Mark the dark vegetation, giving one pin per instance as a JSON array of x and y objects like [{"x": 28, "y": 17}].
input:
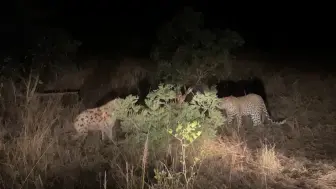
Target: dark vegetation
[{"x": 160, "y": 143}]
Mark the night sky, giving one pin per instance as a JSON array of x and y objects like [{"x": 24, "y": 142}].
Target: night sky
[{"x": 103, "y": 25}]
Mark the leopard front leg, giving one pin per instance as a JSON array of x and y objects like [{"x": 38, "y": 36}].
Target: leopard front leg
[
  {"x": 239, "y": 121},
  {"x": 229, "y": 118},
  {"x": 108, "y": 129}
]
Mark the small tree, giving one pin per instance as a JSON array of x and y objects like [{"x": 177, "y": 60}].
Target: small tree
[
  {"x": 163, "y": 118},
  {"x": 186, "y": 135},
  {"x": 161, "y": 113},
  {"x": 189, "y": 54}
]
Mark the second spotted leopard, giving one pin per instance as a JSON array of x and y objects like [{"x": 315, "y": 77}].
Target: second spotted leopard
[
  {"x": 96, "y": 119},
  {"x": 250, "y": 105}
]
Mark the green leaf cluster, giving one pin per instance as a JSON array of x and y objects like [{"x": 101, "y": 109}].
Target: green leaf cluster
[{"x": 161, "y": 117}]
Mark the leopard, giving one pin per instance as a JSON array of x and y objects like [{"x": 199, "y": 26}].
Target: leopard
[
  {"x": 251, "y": 105},
  {"x": 101, "y": 119}
]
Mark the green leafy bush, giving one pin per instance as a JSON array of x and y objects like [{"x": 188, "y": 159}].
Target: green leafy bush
[{"x": 161, "y": 118}]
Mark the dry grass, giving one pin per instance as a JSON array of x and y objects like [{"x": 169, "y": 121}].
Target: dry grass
[{"x": 35, "y": 151}]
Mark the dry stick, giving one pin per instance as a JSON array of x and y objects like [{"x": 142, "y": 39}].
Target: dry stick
[
  {"x": 181, "y": 98},
  {"x": 55, "y": 94},
  {"x": 35, "y": 165},
  {"x": 144, "y": 162}
]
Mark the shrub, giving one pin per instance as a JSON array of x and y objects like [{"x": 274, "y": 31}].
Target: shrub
[{"x": 161, "y": 116}]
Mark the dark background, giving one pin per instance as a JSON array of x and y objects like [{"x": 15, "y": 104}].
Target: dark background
[{"x": 103, "y": 26}]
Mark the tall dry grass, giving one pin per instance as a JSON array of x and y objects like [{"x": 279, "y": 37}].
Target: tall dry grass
[{"x": 36, "y": 152}]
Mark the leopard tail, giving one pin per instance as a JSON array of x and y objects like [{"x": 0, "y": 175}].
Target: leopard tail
[{"x": 269, "y": 119}]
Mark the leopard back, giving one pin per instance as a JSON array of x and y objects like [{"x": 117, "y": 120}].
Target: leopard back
[{"x": 250, "y": 104}]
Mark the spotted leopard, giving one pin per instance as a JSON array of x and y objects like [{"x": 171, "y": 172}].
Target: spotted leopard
[
  {"x": 96, "y": 119},
  {"x": 250, "y": 105}
]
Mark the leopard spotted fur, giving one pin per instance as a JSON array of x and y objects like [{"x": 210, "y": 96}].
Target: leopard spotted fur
[
  {"x": 250, "y": 105},
  {"x": 96, "y": 119}
]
